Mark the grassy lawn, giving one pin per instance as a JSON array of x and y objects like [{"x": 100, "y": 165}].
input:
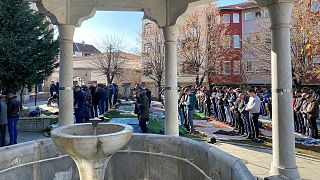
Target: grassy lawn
[
  {"x": 47, "y": 113},
  {"x": 156, "y": 126},
  {"x": 117, "y": 114},
  {"x": 199, "y": 116}
]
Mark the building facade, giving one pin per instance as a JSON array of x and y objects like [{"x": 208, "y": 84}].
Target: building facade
[
  {"x": 230, "y": 71},
  {"x": 85, "y": 71}
]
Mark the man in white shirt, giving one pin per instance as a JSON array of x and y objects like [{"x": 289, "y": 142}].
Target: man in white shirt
[{"x": 253, "y": 107}]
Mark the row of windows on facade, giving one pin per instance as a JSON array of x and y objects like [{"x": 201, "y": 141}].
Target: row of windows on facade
[
  {"x": 226, "y": 19},
  {"x": 227, "y": 68},
  {"x": 248, "y": 67},
  {"x": 236, "y": 43},
  {"x": 248, "y": 16}
]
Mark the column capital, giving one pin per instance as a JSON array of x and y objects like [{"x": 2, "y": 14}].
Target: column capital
[
  {"x": 280, "y": 12},
  {"x": 170, "y": 33},
  {"x": 266, "y": 3},
  {"x": 66, "y": 32},
  {"x": 66, "y": 11},
  {"x": 167, "y": 12}
]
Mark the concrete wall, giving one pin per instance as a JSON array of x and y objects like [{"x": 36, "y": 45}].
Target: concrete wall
[
  {"x": 34, "y": 124},
  {"x": 170, "y": 162}
]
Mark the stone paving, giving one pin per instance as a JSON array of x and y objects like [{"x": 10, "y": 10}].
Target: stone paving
[{"x": 258, "y": 160}]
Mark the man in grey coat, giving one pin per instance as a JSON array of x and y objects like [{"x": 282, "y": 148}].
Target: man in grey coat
[{"x": 3, "y": 120}]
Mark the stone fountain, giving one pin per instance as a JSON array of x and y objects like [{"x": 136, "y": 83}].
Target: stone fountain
[{"x": 92, "y": 146}]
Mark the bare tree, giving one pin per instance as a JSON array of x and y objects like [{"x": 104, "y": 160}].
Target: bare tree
[
  {"x": 305, "y": 33},
  {"x": 153, "y": 55},
  {"x": 202, "y": 42},
  {"x": 111, "y": 61}
]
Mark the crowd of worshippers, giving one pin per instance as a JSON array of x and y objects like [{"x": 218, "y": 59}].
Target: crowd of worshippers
[
  {"x": 94, "y": 100},
  {"x": 241, "y": 108},
  {"x": 306, "y": 112}
]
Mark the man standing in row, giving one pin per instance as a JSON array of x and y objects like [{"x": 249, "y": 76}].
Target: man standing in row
[
  {"x": 13, "y": 116},
  {"x": 253, "y": 107},
  {"x": 312, "y": 112},
  {"x": 78, "y": 104}
]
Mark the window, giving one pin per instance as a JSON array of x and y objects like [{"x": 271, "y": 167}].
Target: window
[
  {"x": 147, "y": 48},
  {"x": 315, "y": 5},
  {"x": 249, "y": 66},
  {"x": 226, "y": 67},
  {"x": 147, "y": 28},
  {"x": 218, "y": 19},
  {"x": 236, "y": 41},
  {"x": 316, "y": 61},
  {"x": 236, "y": 67},
  {"x": 258, "y": 66},
  {"x": 226, "y": 18},
  {"x": 266, "y": 13},
  {"x": 258, "y": 15},
  {"x": 227, "y": 41},
  {"x": 248, "y": 16},
  {"x": 236, "y": 18}
]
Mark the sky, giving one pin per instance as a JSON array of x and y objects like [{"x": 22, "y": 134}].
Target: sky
[{"x": 125, "y": 25}]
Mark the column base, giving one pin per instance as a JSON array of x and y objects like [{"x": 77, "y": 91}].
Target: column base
[{"x": 290, "y": 173}]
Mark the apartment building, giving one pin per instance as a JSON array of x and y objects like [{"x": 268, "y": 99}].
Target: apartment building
[{"x": 230, "y": 71}]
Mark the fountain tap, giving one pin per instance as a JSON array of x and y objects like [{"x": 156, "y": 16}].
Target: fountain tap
[{"x": 95, "y": 121}]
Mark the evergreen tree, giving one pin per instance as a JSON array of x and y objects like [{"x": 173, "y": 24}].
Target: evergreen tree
[{"x": 28, "y": 51}]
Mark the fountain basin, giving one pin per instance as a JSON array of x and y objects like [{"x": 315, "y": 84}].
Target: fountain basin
[
  {"x": 41, "y": 159},
  {"x": 90, "y": 152},
  {"x": 78, "y": 140}
]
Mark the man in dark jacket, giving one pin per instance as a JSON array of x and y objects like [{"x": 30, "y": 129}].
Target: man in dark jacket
[
  {"x": 313, "y": 114},
  {"x": 94, "y": 108},
  {"x": 13, "y": 116},
  {"x": 143, "y": 108},
  {"x": 56, "y": 88},
  {"x": 100, "y": 98},
  {"x": 52, "y": 89},
  {"x": 148, "y": 94},
  {"x": 87, "y": 104},
  {"x": 297, "y": 110},
  {"x": 106, "y": 100},
  {"x": 78, "y": 104}
]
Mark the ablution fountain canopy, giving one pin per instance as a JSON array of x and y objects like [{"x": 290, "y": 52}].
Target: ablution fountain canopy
[{"x": 91, "y": 145}]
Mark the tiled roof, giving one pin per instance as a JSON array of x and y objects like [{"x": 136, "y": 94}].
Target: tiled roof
[
  {"x": 240, "y": 6},
  {"x": 82, "y": 47}
]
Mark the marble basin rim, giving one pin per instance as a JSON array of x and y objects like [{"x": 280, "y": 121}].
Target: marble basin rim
[{"x": 78, "y": 140}]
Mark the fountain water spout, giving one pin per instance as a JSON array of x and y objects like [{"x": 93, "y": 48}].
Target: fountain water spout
[{"x": 95, "y": 121}]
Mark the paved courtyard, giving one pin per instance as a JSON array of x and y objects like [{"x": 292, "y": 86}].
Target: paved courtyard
[{"x": 258, "y": 160}]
